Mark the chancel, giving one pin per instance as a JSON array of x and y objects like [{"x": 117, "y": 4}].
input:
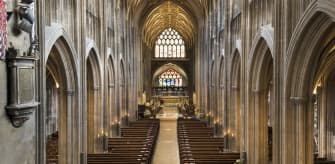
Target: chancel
[{"x": 167, "y": 82}]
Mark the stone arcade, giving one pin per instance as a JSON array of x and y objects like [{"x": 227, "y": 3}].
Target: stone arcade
[{"x": 82, "y": 80}]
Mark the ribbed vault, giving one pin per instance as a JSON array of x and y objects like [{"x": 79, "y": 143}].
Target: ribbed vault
[{"x": 168, "y": 15}]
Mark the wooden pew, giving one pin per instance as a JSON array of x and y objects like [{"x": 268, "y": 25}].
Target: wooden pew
[
  {"x": 52, "y": 149},
  {"x": 323, "y": 161},
  {"x": 197, "y": 144},
  {"x": 135, "y": 146}
]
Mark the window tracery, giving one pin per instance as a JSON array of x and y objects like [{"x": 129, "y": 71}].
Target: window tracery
[
  {"x": 170, "y": 45},
  {"x": 170, "y": 78}
]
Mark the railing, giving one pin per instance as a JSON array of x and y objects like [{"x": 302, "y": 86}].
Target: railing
[{"x": 169, "y": 91}]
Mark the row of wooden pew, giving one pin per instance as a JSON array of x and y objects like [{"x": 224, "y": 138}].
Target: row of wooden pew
[
  {"x": 322, "y": 161},
  {"x": 52, "y": 149},
  {"x": 135, "y": 145},
  {"x": 197, "y": 144}
]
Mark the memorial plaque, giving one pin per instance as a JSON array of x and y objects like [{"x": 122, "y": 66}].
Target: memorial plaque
[{"x": 26, "y": 87}]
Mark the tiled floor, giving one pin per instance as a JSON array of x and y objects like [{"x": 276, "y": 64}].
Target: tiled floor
[{"x": 166, "y": 151}]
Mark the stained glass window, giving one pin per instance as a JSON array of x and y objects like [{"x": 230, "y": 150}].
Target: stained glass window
[
  {"x": 170, "y": 78},
  {"x": 170, "y": 45}
]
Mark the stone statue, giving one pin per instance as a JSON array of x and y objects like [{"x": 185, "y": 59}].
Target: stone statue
[{"x": 21, "y": 38}]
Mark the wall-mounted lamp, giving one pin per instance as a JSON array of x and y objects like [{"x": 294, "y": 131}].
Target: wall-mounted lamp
[
  {"x": 57, "y": 85},
  {"x": 315, "y": 90}
]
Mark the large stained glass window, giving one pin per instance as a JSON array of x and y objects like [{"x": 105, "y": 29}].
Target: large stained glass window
[
  {"x": 170, "y": 45},
  {"x": 170, "y": 78}
]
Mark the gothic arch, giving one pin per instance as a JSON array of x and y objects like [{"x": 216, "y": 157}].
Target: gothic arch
[
  {"x": 235, "y": 68},
  {"x": 259, "y": 84},
  {"x": 94, "y": 101},
  {"x": 235, "y": 100},
  {"x": 237, "y": 48},
  {"x": 164, "y": 67},
  {"x": 91, "y": 46},
  {"x": 52, "y": 34},
  {"x": 265, "y": 33},
  {"x": 111, "y": 97},
  {"x": 309, "y": 42},
  {"x": 60, "y": 64},
  {"x": 123, "y": 113},
  {"x": 221, "y": 96}
]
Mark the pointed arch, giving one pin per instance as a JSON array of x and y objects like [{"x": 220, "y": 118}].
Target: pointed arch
[
  {"x": 165, "y": 67},
  {"x": 221, "y": 101},
  {"x": 235, "y": 69},
  {"x": 169, "y": 44},
  {"x": 314, "y": 32},
  {"x": 265, "y": 33},
  {"x": 235, "y": 101},
  {"x": 61, "y": 66},
  {"x": 123, "y": 96},
  {"x": 259, "y": 85},
  {"x": 111, "y": 97},
  {"x": 93, "y": 101},
  {"x": 52, "y": 35}
]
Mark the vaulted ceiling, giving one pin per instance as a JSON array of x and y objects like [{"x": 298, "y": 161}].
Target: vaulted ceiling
[{"x": 154, "y": 16}]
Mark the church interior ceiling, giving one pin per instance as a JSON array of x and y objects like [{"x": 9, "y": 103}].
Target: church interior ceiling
[{"x": 158, "y": 15}]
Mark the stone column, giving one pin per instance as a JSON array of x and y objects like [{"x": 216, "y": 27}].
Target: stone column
[
  {"x": 302, "y": 137},
  {"x": 257, "y": 145},
  {"x": 235, "y": 107},
  {"x": 70, "y": 127},
  {"x": 96, "y": 122}
]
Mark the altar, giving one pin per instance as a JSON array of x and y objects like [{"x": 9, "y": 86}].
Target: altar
[{"x": 170, "y": 105}]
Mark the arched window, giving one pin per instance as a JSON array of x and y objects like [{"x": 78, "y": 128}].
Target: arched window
[
  {"x": 170, "y": 78},
  {"x": 170, "y": 45}
]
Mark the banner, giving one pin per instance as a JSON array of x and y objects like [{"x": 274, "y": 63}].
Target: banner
[{"x": 3, "y": 35}]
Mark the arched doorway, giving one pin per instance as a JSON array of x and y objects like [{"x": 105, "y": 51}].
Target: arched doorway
[
  {"x": 111, "y": 105},
  {"x": 260, "y": 100},
  {"x": 61, "y": 102},
  {"x": 94, "y": 103},
  {"x": 309, "y": 90},
  {"x": 123, "y": 109},
  {"x": 235, "y": 101},
  {"x": 323, "y": 107},
  {"x": 221, "y": 99}
]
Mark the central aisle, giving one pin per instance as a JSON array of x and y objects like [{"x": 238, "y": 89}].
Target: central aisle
[{"x": 166, "y": 151}]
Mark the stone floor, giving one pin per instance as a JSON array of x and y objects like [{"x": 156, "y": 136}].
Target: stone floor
[{"x": 166, "y": 151}]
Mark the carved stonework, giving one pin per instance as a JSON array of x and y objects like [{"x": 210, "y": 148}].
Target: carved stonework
[
  {"x": 21, "y": 89},
  {"x": 21, "y": 54},
  {"x": 18, "y": 114},
  {"x": 21, "y": 39}
]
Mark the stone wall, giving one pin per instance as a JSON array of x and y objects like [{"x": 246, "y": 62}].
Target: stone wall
[{"x": 17, "y": 145}]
